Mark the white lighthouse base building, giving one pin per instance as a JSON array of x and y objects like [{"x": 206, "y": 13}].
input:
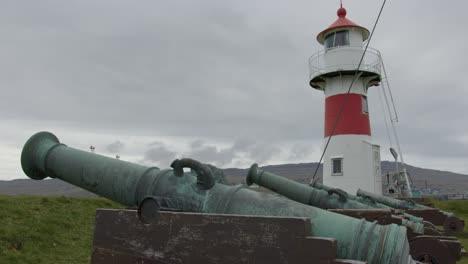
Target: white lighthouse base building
[{"x": 346, "y": 164}]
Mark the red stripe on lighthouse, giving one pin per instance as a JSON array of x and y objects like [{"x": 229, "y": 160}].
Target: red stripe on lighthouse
[{"x": 352, "y": 121}]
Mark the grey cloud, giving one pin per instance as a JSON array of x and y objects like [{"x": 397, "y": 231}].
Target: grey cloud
[
  {"x": 241, "y": 149},
  {"x": 115, "y": 147},
  {"x": 212, "y": 155},
  {"x": 263, "y": 152},
  {"x": 156, "y": 144},
  {"x": 301, "y": 151},
  {"x": 441, "y": 144},
  {"x": 159, "y": 155},
  {"x": 197, "y": 144},
  {"x": 243, "y": 145},
  {"x": 258, "y": 151}
]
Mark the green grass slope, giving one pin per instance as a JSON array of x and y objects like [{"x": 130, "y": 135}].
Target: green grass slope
[
  {"x": 47, "y": 229},
  {"x": 460, "y": 209},
  {"x": 60, "y": 229}
]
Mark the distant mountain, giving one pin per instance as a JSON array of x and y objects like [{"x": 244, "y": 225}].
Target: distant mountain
[
  {"x": 444, "y": 181},
  {"x": 49, "y": 187}
]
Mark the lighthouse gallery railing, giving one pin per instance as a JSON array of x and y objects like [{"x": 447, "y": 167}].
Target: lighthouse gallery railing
[{"x": 319, "y": 65}]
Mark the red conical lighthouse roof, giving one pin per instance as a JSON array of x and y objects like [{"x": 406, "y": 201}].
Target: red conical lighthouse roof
[{"x": 342, "y": 22}]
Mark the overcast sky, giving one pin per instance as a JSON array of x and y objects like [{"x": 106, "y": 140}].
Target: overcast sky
[{"x": 225, "y": 82}]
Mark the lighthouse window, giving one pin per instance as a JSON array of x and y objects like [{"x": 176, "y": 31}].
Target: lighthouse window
[
  {"x": 365, "y": 106},
  {"x": 337, "y": 166},
  {"x": 336, "y": 39}
]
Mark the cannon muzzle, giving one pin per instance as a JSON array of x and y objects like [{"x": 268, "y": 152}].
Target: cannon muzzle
[
  {"x": 130, "y": 184},
  {"x": 34, "y": 153}
]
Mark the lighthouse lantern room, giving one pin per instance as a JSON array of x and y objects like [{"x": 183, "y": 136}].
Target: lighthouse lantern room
[{"x": 351, "y": 160}]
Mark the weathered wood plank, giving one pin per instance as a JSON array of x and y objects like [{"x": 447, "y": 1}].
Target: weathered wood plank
[{"x": 119, "y": 237}]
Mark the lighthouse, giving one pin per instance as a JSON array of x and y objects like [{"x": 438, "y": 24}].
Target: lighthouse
[{"x": 351, "y": 161}]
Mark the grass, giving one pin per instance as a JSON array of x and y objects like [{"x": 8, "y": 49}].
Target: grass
[
  {"x": 59, "y": 230},
  {"x": 460, "y": 209},
  {"x": 464, "y": 239},
  {"x": 47, "y": 229}
]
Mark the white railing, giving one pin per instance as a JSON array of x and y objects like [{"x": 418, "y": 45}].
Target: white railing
[{"x": 344, "y": 59}]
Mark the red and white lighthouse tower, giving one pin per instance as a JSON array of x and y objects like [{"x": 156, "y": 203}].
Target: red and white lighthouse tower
[{"x": 351, "y": 160}]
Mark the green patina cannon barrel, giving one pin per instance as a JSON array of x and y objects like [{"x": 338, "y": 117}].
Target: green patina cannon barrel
[
  {"x": 129, "y": 184},
  {"x": 325, "y": 199},
  {"x": 392, "y": 202},
  {"x": 450, "y": 222},
  {"x": 367, "y": 200}
]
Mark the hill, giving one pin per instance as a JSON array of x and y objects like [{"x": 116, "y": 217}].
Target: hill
[{"x": 49, "y": 187}]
